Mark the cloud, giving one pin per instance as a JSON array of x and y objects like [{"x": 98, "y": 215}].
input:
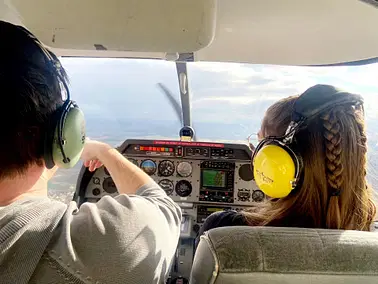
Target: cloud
[
  {"x": 279, "y": 81},
  {"x": 229, "y": 95},
  {"x": 231, "y": 100}
]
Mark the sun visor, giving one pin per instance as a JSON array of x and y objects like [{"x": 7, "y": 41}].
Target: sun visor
[
  {"x": 290, "y": 32},
  {"x": 168, "y": 26}
]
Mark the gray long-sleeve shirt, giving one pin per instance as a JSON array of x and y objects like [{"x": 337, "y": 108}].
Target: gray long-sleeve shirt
[{"x": 126, "y": 239}]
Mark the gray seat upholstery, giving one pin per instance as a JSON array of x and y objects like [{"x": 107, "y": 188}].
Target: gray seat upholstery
[{"x": 285, "y": 255}]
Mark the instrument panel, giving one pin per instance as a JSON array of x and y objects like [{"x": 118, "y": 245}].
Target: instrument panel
[
  {"x": 194, "y": 172},
  {"x": 201, "y": 177}
]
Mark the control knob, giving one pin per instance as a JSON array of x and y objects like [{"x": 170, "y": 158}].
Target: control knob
[
  {"x": 96, "y": 180},
  {"x": 244, "y": 194},
  {"x": 96, "y": 191}
]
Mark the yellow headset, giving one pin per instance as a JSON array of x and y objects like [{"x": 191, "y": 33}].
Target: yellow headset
[{"x": 277, "y": 168}]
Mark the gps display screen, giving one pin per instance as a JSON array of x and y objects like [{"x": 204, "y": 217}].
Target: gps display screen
[{"x": 213, "y": 178}]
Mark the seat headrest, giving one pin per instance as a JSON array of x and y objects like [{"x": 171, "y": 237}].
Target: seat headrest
[{"x": 285, "y": 255}]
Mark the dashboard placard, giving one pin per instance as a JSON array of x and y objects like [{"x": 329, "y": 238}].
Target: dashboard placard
[{"x": 197, "y": 144}]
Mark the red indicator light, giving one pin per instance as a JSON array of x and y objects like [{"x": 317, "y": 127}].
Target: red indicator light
[
  {"x": 153, "y": 148},
  {"x": 170, "y": 149}
]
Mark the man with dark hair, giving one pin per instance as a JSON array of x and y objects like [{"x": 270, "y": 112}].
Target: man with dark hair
[{"x": 127, "y": 239}]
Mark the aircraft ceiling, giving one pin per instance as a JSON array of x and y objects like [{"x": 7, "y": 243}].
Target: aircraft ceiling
[{"x": 290, "y": 32}]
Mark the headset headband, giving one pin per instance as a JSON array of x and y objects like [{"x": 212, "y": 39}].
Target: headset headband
[
  {"x": 55, "y": 64},
  {"x": 315, "y": 101},
  {"x": 319, "y": 98},
  {"x": 57, "y": 69}
]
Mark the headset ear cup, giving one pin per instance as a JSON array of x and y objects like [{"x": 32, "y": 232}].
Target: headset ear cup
[
  {"x": 73, "y": 138},
  {"x": 275, "y": 169},
  {"x": 50, "y": 139}
]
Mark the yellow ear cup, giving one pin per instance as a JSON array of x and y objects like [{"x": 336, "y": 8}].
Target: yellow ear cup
[{"x": 274, "y": 171}]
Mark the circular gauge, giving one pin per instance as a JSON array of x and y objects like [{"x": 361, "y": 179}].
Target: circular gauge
[
  {"x": 167, "y": 186},
  {"x": 258, "y": 195},
  {"x": 183, "y": 188},
  {"x": 135, "y": 162},
  {"x": 245, "y": 172},
  {"x": 109, "y": 185},
  {"x": 148, "y": 166},
  {"x": 166, "y": 168},
  {"x": 184, "y": 169}
]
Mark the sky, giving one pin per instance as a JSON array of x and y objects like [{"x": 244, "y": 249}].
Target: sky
[
  {"x": 228, "y": 99},
  {"x": 121, "y": 100}
]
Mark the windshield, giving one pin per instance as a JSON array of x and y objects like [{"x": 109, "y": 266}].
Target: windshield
[
  {"x": 121, "y": 100},
  {"x": 120, "y": 97}
]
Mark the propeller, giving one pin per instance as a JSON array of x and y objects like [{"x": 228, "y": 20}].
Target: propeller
[{"x": 175, "y": 104}]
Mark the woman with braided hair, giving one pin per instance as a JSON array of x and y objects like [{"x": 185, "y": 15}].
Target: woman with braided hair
[{"x": 333, "y": 192}]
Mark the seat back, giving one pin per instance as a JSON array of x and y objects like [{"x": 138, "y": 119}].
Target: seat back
[{"x": 285, "y": 255}]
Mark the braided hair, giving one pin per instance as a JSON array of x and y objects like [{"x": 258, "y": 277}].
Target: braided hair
[
  {"x": 334, "y": 165},
  {"x": 334, "y": 161},
  {"x": 333, "y": 150}
]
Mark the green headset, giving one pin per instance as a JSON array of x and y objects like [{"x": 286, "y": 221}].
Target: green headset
[
  {"x": 277, "y": 167},
  {"x": 65, "y": 137}
]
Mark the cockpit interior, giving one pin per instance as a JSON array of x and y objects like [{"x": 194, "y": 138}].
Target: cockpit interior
[{"x": 204, "y": 177}]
